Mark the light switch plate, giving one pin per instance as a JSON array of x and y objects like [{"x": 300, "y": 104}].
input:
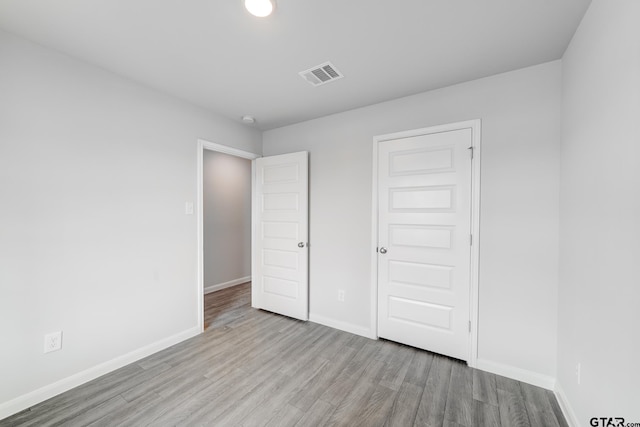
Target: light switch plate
[{"x": 188, "y": 208}]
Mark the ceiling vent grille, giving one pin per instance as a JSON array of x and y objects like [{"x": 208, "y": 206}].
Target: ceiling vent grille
[{"x": 321, "y": 74}]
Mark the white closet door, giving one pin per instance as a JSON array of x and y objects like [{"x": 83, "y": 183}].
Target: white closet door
[{"x": 424, "y": 194}]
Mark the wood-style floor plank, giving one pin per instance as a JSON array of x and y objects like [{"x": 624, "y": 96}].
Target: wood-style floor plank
[
  {"x": 485, "y": 415},
  {"x": 555, "y": 407},
  {"x": 256, "y": 410},
  {"x": 317, "y": 415},
  {"x": 286, "y": 416},
  {"x": 405, "y": 406},
  {"x": 434, "y": 397},
  {"x": 484, "y": 387},
  {"x": 322, "y": 381},
  {"x": 513, "y": 411},
  {"x": 253, "y": 368},
  {"x": 538, "y": 407},
  {"x": 396, "y": 367},
  {"x": 122, "y": 413},
  {"x": 349, "y": 408},
  {"x": 460, "y": 398},
  {"x": 376, "y": 411},
  {"x": 419, "y": 368}
]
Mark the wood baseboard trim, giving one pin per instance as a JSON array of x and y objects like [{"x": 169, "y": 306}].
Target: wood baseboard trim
[
  {"x": 524, "y": 375},
  {"x": 230, "y": 283},
  {"x": 43, "y": 393},
  {"x": 343, "y": 326}
]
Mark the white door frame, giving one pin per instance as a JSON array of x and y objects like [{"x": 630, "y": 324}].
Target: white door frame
[
  {"x": 475, "y": 126},
  {"x": 208, "y": 145}
]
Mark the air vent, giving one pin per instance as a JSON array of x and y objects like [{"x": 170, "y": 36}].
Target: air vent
[{"x": 321, "y": 74}]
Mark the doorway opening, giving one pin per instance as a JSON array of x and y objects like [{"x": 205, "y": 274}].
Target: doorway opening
[{"x": 225, "y": 189}]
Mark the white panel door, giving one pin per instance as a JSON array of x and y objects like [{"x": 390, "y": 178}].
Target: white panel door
[
  {"x": 280, "y": 254},
  {"x": 424, "y": 255}
]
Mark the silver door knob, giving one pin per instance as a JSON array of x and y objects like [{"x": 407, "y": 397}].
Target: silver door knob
[
  {"x": 383, "y": 250},
  {"x": 301, "y": 245}
]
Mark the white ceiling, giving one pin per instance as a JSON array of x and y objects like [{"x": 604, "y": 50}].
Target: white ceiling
[{"x": 214, "y": 54}]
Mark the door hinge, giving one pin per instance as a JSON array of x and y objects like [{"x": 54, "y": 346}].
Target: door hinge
[
  {"x": 471, "y": 151},
  {"x": 470, "y": 239},
  {"x": 469, "y": 326}
]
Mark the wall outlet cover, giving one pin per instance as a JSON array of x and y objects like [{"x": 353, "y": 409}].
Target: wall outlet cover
[{"x": 53, "y": 341}]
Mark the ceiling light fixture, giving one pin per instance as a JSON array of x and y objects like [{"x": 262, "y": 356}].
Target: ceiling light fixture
[
  {"x": 260, "y": 8},
  {"x": 248, "y": 120}
]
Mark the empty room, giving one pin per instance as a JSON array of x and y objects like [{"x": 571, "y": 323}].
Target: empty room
[{"x": 320, "y": 213}]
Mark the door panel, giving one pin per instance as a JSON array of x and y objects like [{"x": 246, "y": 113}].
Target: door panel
[
  {"x": 280, "y": 265},
  {"x": 424, "y": 220}
]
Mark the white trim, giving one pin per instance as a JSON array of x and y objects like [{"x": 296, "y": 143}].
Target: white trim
[
  {"x": 567, "y": 409},
  {"x": 200, "y": 237},
  {"x": 343, "y": 326},
  {"x": 475, "y": 126},
  {"x": 254, "y": 222},
  {"x": 208, "y": 145},
  {"x": 374, "y": 241},
  {"x": 476, "y": 138},
  {"x": 225, "y": 285},
  {"x": 43, "y": 393},
  {"x": 524, "y": 375}
]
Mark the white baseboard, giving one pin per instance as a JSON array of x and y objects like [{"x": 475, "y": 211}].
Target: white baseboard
[
  {"x": 230, "y": 283},
  {"x": 529, "y": 377},
  {"x": 40, "y": 395},
  {"x": 567, "y": 409},
  {"x": 343, "y": 326}
]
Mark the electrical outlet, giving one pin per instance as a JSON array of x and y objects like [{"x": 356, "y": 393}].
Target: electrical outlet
[
  {"x": 341, "y": 295},
  {"x": 53, "y": 342},
  {"x": 578, "y": 372}
]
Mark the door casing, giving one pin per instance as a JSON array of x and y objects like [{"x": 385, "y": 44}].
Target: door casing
[{"x": 475, "y": 126}]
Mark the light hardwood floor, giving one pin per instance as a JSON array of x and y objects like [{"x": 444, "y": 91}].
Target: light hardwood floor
[{"x": 254, "y": 368}]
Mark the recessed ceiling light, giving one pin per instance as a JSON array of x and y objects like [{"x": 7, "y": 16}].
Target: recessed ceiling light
[
  {"x": 260, "y": 8},
  {"x": 248, "y": 120}
]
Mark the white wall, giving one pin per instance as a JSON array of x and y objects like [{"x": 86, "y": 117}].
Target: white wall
[
  {"x": 520, "y": 114},
  {"x": 599, "y": 317},
  {"x": 227, "y": 218},
  {"x": 94, "y": 175}
]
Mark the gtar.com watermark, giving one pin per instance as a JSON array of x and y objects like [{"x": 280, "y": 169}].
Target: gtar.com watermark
[{"x": 611, "y": 422}]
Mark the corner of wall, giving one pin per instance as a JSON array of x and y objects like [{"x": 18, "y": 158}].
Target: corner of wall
[{"x": 566, "y": 407}]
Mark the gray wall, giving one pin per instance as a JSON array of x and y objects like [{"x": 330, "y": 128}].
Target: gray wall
[
  {"x": 227, "y": 218},
  {"x": 599, "y": 317},
  {"x": 520, "y": 114},
  {"x": 95, "y": 171}
]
